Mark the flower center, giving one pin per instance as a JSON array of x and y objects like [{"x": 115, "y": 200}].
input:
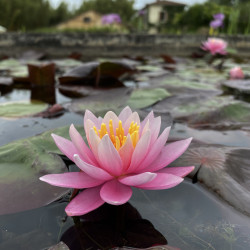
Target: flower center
[{"x": 117, "y": 136}]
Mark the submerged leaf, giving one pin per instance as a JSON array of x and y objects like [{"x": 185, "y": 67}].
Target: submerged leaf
[{"x": 21, "y": 164}]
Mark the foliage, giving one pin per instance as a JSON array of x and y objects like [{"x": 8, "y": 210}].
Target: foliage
[
  {"x": 200, "y": 15},
  {"x": 122, "y": 7},
  {"x": 30, "y": 14}
]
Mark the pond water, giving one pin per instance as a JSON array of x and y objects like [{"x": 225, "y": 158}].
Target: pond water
[{"x": 209, "y": 210}]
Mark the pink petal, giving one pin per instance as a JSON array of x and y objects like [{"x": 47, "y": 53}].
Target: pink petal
[
  {"x": 155, "y": 126},
  {"x": 66, "y": 146},
  {"x": 141, "y": 149},
  {"x": 138, "y": 179},
  {"x": 115, "y": 193},
  {"x": 88, "y": 125},
  {"x": 71, "y": 180},
  {"x": 134, "y": 117},
  {"x": 149, "y": 118},
  {"x": 145, "y": 128},
  {"x": 109, "y": 157},
  {"x": 85, "y": 202},
  {"x": 81, "y": 146},
  {"x": 162, "y": 181},
  {"x": 111, "y": 116},
  {"x": 125, "y": 113},
  {"x": 126, "y": 152},
  {"x": 179, "y": 171},
  {"x": 91, "y": 170},
  {"x": 94, "y": 141},
  {"x": 168, "y": 154},
  {"x": 90, "y": 116},
  {"x": 155, "y": 150}
]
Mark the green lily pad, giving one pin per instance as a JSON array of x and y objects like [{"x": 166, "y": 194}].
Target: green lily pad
[
  {"x": 21, "y": 109},
  {"x": 143, "y": 98},
  {"x": 21, "y": 164},
  {"x": 187, "y": 83},
  {"x": 99, "y": 104}
]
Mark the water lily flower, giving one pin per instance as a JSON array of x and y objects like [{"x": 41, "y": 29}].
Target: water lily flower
[
  {"x": 236, "y": 73},
  {"x": 215, "y": 46},
  {"x": 123, "y": 152},
  {"x": 111, "y": 18}
]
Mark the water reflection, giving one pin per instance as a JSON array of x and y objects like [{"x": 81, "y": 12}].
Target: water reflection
[{"x": 112, "y": 226}]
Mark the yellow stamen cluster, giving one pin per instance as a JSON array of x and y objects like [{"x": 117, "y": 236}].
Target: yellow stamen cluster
[{"x": 118, "y": 138}]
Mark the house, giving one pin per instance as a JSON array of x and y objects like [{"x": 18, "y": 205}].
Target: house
[
  {"x": 159, "y": 13},
  {"x": 87, "y": 20}
]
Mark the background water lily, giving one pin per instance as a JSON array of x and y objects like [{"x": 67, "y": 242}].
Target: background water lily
[
  {"x": 123, "y": 153},
  {"x": 236, "y": 73},
  {"x": 215, "y": 46}
]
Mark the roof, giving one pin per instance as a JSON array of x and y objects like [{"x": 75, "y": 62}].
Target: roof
[{"x": 167, "y": 3}]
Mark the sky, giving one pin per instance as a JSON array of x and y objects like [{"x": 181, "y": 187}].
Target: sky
[{"x": 138, "y": 3}]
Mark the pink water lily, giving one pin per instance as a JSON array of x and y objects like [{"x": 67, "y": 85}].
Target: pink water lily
[
  {"x": 236, "y": 73},
  {"x": 123, "y": 153},
  {"x": 215, "y": 46}
]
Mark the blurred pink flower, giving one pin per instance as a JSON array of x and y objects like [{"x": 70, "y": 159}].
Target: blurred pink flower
[
  {"x": 215, "y": 46},
  {"x": 123, "y": 153},
  {"x": 111, "y": 18},
  {"x": 236, "y": 73}
]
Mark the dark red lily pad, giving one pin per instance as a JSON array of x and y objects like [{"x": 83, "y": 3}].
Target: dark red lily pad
[
  {"x": 42, "y": 75},
  {"x": 105, "y": 74}
]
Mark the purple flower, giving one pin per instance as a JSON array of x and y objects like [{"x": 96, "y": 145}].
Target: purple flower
[
  {"x": 216, "y": 23},
  {"x": 141, "y": 12},
  {"x": 218, "y": 20},
  {"x": 219, "y": 16},
  {"x": 111, "y": 18}
]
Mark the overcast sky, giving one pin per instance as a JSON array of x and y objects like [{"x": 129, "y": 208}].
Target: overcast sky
[{"x": 138, "y": 3}]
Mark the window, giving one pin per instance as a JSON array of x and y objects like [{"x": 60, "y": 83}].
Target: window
[
  {"x": 86, "y": 19},
  {"x": 163, "y": 16}
]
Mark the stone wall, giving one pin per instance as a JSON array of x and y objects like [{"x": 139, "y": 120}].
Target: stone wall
[{"x": 111, "y": 45}]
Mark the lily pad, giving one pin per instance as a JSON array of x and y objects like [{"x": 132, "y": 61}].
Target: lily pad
[
  {"x": 224, "y": 170},
  {"x": 21, "y": 164},
  {"x": 113, "y": 99},
  {"x": 187, "y": 83},
  {"x": 143, "y": 98},
  {"x": 21, "y": 109},
  {"x": 239, "y": 86},
  {"x": 98, "y": 74}
]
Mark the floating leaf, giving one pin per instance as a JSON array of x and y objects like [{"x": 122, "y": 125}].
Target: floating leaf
[
  {"x": 187, "y": 83},
  {"x": 143, "y": 98},
  {"x": 238, "y": 86},
  {"x": 21, "y": 164},
  {"x": 21, "y": 109},
  {"x": 99, "y": 74},
  {"x": 223, "y": 169},
  {"x": 113, "y": 99}
]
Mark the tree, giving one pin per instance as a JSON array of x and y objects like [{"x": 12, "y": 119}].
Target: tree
[{"x": 30, "y": 14}]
